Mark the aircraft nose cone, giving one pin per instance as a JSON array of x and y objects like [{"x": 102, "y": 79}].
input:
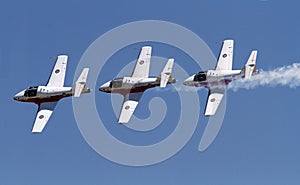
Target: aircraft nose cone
[
  {"x": 19, "y": 95},
  {"x": 189, "y": 80},
  {"x": 104, "y": 87}
]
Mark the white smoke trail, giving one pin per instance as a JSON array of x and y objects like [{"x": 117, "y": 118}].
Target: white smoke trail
[{"x": 283, "y": 76}]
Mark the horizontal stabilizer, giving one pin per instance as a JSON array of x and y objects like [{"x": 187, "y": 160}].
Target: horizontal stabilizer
[
  {"x": 166, "y": 73},
  {"x": 250, "y": 65},
  {"x": 81, "y": 82}
]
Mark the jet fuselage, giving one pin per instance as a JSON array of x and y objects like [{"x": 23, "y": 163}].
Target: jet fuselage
[
  {"x": 125, "y": 85},
  {"x": 40, "y": 94},
  {"x": 213, "y": 78}
]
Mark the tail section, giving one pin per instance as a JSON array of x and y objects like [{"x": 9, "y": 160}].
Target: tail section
[
  {"x": 81, "y": 83},
  {"x": 250, "y": 66},
  {"x": 165, "y": 75}
]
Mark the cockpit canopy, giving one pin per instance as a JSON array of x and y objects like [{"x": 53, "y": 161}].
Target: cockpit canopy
[
  {"x": 116, "y": 83},
  {"x": 31, "y": 91},
  {"x": 199, "y": 77}
]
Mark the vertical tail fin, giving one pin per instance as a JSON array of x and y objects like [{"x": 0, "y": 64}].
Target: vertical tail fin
[
  {"x": 250, "y": 65},
  {"x": 166, "y": 73},
  {"x": 81, "y": 82}
]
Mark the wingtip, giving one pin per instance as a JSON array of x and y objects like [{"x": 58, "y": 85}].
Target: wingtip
[
  {"x": 254, "y": 51},
  {"x": 121, "y": 122},
  {"x": 63, "y": 56},
  {"x": 228, "y": 40},
  {"x": 36, "y": 132},
  {"x": 147, "y": 48},
  {"x": 209, "y": 113}
]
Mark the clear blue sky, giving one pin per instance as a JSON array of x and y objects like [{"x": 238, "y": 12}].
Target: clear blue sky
[{"x": 259, "y": 139}]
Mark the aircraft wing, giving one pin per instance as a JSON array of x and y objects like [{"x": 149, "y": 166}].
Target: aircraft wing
[
  {"x": 57, "y": 78},
  {"x": 44, "y": 112},
  {"x": 226, "y": 55},
  {"x": 131, "y": 100},
  {"x": 142, "y": 65},
  {"x": 214, "y": 99}
]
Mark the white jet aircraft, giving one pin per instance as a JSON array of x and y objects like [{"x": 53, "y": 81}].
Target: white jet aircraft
[
  {"x": 132, "y": 88},
  {"x": 217, "y": 80},
  {"x": 46, "y": 97}
]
